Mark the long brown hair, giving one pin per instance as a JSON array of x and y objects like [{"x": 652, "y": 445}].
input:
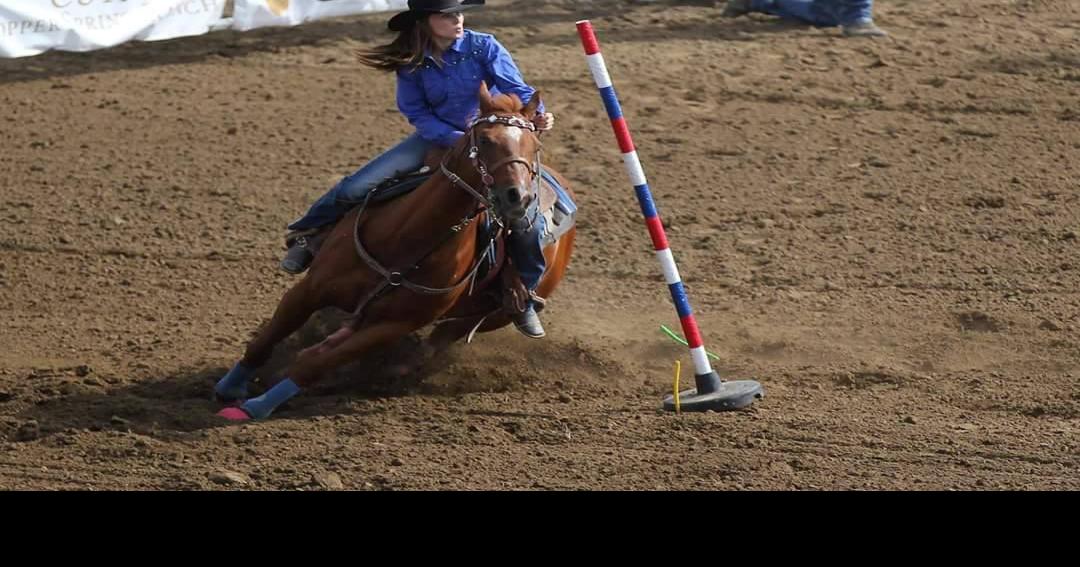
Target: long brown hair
[{"x": 407, "y": 49}]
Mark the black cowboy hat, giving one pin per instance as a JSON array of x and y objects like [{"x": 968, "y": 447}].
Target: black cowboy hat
[{"x": 419, "y": 8}]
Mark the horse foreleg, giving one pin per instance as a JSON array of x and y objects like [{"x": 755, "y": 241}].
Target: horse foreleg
[
  {"x": 307, "y": 370},
  {"x": 295, "y": 308}
]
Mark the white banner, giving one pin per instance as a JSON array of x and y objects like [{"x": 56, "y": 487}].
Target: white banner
[
  {"x": 29, "y": 27},
  {"x": 250, "y": 14}
]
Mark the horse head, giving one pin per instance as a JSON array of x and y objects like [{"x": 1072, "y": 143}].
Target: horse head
[{"x": 504, "y": 147}]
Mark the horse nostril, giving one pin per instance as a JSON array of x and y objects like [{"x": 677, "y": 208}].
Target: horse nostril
[{"x": 513, "y": 195}]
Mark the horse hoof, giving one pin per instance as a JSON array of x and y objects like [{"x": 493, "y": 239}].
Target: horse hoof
[{"x": 234, "y": 414}]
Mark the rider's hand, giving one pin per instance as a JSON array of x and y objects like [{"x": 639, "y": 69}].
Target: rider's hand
[{"x": 544, "y": 122}]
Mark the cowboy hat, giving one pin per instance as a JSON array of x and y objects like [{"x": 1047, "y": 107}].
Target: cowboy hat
[{"x": 419, "y": 8}]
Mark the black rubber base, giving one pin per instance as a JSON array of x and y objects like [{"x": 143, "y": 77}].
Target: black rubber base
[{"x": 713, "y": 394}]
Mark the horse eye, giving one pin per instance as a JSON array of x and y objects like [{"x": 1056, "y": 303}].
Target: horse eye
[{"x": 486, "y": 142}]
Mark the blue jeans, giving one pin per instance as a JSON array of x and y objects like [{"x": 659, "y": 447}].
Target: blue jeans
[
  {"x": 403, "y": 158},
  {"x": 825, "y": 13},
  {"x": 526, "y": 248}
]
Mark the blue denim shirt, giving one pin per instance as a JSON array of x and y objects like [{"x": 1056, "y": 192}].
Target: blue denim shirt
[{"x": 440, "y": 100}]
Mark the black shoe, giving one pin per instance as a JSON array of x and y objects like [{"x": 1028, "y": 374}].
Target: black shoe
[
  {"x": 299, "y": 256},
  {"x": 529, "y": 324}
]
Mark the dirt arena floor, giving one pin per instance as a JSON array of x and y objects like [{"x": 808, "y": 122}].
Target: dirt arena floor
[{"x": 884, "y": 233}]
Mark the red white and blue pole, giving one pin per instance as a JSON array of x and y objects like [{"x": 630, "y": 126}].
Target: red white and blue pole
[{"x": 707, "y": 380}]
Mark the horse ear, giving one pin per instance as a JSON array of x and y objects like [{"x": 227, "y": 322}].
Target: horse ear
[
  {"x": 534, "y": 103},
  {"x": 485, "y": 98}
]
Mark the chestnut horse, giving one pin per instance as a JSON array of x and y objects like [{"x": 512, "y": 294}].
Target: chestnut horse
[{"x": 406, "y": 263}]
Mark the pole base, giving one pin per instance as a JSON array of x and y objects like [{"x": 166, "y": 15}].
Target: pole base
[{"x": 716, "y": 395}]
